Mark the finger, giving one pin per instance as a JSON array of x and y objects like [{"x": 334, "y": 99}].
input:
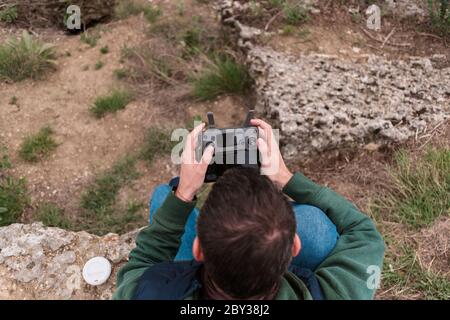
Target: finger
[
  {"x": 207, "y": 156},
  {"x": 261, "y": 123},
  {"x": 262, "y": 134},
  {"x": 264, "y": 150},
  {"x": 197, "y": 130},
  {"x": 194, "y": 135},
  {"x": 266, "y": 132},
  {"x": 191, "y": 143}
]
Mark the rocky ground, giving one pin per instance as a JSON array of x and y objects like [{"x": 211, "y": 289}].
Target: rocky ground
[
  {"x": 321, "y": 101},
  {"x": 46, "y": 263}
]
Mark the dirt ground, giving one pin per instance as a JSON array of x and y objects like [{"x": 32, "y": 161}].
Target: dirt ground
[
  {"x": 87, "y": 145},
  {"x": 333, "y": 32}
]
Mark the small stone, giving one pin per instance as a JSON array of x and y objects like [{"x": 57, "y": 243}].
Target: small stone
[{"x": 372, "y": 146}]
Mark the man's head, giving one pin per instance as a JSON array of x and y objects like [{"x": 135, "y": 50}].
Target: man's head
[{"x": 246, "y": 234}]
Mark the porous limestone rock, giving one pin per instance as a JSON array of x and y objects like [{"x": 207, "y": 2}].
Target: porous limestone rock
[
  {"x": 38, "y": 262},
  {"x": 320, "y": 102}
]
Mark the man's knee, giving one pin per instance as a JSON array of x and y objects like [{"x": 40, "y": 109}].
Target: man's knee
[{"x": 317, "y": 233}]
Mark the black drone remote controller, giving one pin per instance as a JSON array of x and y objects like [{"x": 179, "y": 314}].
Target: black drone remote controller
[{"x": 233, "y": 147}]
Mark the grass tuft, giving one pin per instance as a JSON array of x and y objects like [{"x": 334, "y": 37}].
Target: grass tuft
[
  {"x": 403, "y": 272},
  {"x": 13, "y": 101},
  {"x": 101, "y": 212},
  {"x": 90, "y": 39},
  {"x": 152, "y": 14},
  {"x": 5, "y": 162},
  {"x": 102, "y": 193},
  {"x": 13, "y": 199},
  {"x": 113, "y": 102},
  {"x": 439, "y": 13},
  {"x": 25, "y": 58},
  {"x": 104, "y": 50},
  {"x": 99, "y": 64},
  {"x": 121, "y": 73},
  {"x": 157, "y": 142},
  {"x": 124, "y": 9},
  {"x": 38, "y": 146},
  {"x": 421, "y": 188},
  {"x": 223, "y": 76},
  {"x": 9, "y": 15},
  {"x": 295, "y": 14},
  {"x": 53, "y": 216}
]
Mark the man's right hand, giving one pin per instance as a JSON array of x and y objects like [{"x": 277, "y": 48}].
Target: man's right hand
[{"x": 272, "y": 163}]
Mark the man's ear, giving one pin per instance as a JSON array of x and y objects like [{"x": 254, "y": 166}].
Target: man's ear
[
  {"x": 296, "y": 246},
  {"x": 197, "y": 251}
]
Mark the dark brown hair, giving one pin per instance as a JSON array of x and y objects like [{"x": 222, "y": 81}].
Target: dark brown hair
[{"x": 246, "y": 230}]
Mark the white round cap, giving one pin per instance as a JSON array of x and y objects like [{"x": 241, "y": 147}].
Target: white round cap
[{"x": 97, "y": 271}]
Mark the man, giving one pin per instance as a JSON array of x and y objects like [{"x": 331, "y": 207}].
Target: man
[{"x": 252, "y": 243}]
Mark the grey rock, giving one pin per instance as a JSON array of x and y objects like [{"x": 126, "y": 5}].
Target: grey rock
[
  {"x": 65, "y": 258},
  {"x": 320, "y": 102},
  {"x": 407, "y": 8},
  {"x": 37, "y": 262}
]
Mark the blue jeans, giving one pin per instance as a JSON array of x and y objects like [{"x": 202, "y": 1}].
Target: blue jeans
[{"x": 317, "y": 233}]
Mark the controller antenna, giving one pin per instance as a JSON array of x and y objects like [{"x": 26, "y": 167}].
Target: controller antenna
[
  {"x": 250, "y": 116},
  {"x": 211, "y": 122}
]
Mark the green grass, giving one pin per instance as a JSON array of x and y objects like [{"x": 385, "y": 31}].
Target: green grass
[
  {"x": 223, "y": 76},
  {"x": 90, "y": 39},
  {"x": 181, "y": 8},
  {"x": 192, "y": 40},
  {"x": 25, "y": 58},
  {"x": 5, "y": 162},
  {"x": 295, "y": 14},
  {"x": 157, "y": 142},
  {"x": 38, "y": 146},
  {"x": 439, "y": 13},
  {"x": 116, "y": 219},
  {"x": 276, "y": 3},
  {"x": 288, "y": 30},
  {"x": 151, "y": 13},
  {"x": 102, "y": 193},
  {"x": 53, "y": 216},
  {"x": 421, "y": 189},
  {"x": 101, "y": 213},
  {"x": 13, "y": 101},
  {"x": 404, "y": 273},
  {"x": 104, "y": 50},
  {"x": 124, "y": 9},
  {"x": 98, "y": 65},
  {"x": 304, "y": 33},
  {"x": 356, "y": 17},
  {"x": 13, "y": 199},
  {"x": 121, "y": 73},
  {"x": 9, "y": 15},
  {"x": 111, "y": 103}
]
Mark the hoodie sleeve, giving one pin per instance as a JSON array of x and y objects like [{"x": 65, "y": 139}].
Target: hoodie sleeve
[
  {"x": 346, "y": 273},
  {"x": 156, "y": 243}
]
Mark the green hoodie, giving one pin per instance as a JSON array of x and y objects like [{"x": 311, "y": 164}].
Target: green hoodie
[{"x": 343, "y": 274}]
